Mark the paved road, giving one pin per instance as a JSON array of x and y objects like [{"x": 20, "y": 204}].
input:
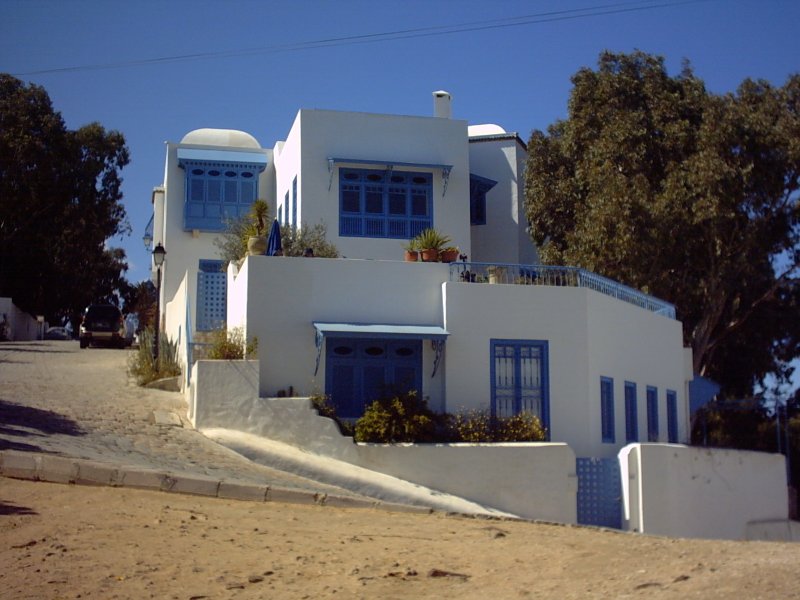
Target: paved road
[{"x": 59, "y": 399}]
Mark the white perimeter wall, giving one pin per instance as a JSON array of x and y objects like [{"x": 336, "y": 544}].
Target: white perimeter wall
[
  {"x": 324, "y": 133},
  {"x": 21, "y": 325},
  {"x": 684, "y": 491}
]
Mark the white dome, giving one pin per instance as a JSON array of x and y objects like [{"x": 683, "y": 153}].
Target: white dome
[
  {"x": 221, "y": 137},
  {"x": 485, "y": 129}
]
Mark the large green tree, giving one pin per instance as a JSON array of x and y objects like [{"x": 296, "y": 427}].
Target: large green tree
[
  {"x": 60, "y": 201},
  {"x": 690, "y": 196}
]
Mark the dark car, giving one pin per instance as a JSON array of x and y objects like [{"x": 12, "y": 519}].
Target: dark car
[{"x": 102, "y": 324}]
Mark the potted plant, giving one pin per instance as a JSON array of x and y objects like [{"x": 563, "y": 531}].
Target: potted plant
[
  {"x": 449, "y": 254},
  {"x": 412, "y": 250},
  {"x": 256, "y": 230},
  {"x": 430, "y": 243}
]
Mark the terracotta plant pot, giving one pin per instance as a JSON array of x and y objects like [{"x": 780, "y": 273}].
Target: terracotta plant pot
[
  {"x": 430, "y": 255},
  {"x": 448, "y": 256},
  {"x": 412, "y": 256}
]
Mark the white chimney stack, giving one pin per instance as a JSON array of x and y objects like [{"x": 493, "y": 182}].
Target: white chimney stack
[{"x": 441, "y": 105}]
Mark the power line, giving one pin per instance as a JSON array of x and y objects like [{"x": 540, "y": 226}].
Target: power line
[{"x": 371, "y": 38}]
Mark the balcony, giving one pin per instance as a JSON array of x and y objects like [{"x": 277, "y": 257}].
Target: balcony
[{"x": 514, "y": 274}]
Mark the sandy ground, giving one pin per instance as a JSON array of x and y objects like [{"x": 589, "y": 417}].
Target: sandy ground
[{"x": 62, "y": 541}]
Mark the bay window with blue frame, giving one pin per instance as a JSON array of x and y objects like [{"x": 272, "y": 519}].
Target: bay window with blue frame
[
  {"x": 384, "y": 203},
  {"x": 219, "y": 186}
]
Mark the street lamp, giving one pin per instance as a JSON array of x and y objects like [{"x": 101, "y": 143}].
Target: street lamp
[
  {"x": 158, "y": 259},
  {"x": 147, "y": 238}
]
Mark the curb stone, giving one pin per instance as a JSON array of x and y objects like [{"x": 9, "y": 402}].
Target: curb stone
[{"x": 59, "y": 469}]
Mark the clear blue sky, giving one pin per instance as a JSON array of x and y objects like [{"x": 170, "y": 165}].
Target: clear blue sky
[{"x": 504, "y": 61}]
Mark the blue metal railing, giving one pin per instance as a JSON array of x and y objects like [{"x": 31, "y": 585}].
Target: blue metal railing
[{"x": 516, "y": 274}]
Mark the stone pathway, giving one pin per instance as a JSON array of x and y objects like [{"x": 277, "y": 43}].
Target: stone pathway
[{"x": 58, "y": 399}]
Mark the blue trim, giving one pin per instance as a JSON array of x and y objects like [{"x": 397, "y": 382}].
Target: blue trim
[
  {"x": 222, "y": 156},
  {"x": 384, "y": 204},
  {"x": 652, "y": 414},
  {"x": 519, "y": 389},
  {"x": 478, "y": 187},
  {"x": 607, "y": 410},
  {"x": 217, "y": 191},
  {"x": 631, "y": 413},
  {"x": 379, "y": 330},
  {"x": 672, "y": 417}
]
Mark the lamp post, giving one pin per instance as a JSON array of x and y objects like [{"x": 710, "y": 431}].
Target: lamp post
[{"x": 158, "y": 260}]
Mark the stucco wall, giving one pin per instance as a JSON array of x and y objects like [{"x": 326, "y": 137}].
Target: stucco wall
[
  {"x": 364, "y": 136},
  {"x": 684, "y": 491},
  {"x": 21, "y": 326}
]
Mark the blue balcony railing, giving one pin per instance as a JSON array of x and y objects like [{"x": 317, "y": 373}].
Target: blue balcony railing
[{"x": 507, "y": 273}]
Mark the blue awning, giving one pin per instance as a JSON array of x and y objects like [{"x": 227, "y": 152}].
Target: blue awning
[
  {"x": 436, "y": 334},
  {"x": 225, "y": 156},
  {"x": 427, "y": 332}
]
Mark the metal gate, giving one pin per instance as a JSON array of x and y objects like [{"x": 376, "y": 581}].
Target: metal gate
[{"x": 599, "y": 492}]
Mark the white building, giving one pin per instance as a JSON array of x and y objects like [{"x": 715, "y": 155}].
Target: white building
[{"x": 601, "y": 364}]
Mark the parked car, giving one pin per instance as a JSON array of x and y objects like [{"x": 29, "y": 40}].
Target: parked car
[
  {"x": 102, "y": 324},
  {"x": 57, "y": 333}
]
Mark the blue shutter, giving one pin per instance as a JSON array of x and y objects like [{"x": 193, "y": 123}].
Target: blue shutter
[
  {"x": 672, "y": 417},
  {"x": 607, "y": 409},
  {"x": 631, "y": 413},
  {"x": 212, "y": 295},
  {"x": 294, "y": 202},
  {"x": 652, "y": 414}
]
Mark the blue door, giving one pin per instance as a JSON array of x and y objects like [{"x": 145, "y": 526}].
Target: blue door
[{"x": 359, "y": 371}]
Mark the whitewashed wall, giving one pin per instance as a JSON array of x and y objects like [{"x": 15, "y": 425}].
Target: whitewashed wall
[
  {"x": 186, "y": 248},
  {"x": 684, "y": 491},
  {"x": 628, "y": 343},
  {"x": 504, "y": 237},
  {"x": 364, "y": 136},
  {"x": 286, "y": 294},
  {"x": 21, "y": 325}
]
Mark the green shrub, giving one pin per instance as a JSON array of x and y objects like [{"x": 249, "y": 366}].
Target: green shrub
[
  {"x": 142, "y": 366},
  {"x": 231, "y": 345},
  {"x": 478, "y": 426},
  {"x": 398, "y": 417}
]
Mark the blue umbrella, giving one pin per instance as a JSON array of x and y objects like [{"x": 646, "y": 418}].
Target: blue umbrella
[{"x": 274, "y": 247}]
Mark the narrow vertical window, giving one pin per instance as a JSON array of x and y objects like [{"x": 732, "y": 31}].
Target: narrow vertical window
[
  {"x": 294, "y": 202},
  {"x": 631, "y": 413},
  {"x": 652, "y": 414},
  {"x": 672, "y": 417},
  {"x": 286, "y": 204},
  {"x": 607, "y": 409}
]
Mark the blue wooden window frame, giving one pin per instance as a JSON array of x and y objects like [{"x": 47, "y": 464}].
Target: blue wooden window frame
[
  {"x": 358, "y": 370},
  {"x": 672, "y": 417},
  {"x": 652, "y": 414},
  {"x": 212, "y": 293},
  {"x": 280, "y": 214},
  {"x": 631, "y": 413},
  {"x": 520, "y": 378},
  {"x": 384, "y": 203},
  {"x": 288, "y": 214},
  {"x": 216, "y": 192},
  {"x": 294, "y": 202},
  {"x": 607, "y": 410},
  {"x": 478, "y": 187}
]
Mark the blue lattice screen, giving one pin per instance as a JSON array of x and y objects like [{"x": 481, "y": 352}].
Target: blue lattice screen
[{"x": 212, "y": 295}]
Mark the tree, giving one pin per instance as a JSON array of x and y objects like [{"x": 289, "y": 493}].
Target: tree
[
  {"x": 687, "y": 195},
  {"x": 60, "y": 200}
]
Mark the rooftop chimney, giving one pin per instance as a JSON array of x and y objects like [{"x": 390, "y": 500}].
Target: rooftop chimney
[{"x": 441, "y": 105}]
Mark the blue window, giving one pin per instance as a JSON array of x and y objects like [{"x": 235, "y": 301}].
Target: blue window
[
  {"x": 216, "y": 192},
  {"x": 212, "y": 295},
  {"x": 384, "y": 204},
  {"x": 519, "y": 372},
  {"x": 478, "y": 186},
  {"x": 359, "y": 371},
  {"x": 652, "y": 414},
  {"x": 672, "y": 417},
  {"x": 288, "y": 213},
  {"x": 294, "y": 202},
  {"x": 607, "y": 409},
  {"x": 631, "y": 413},
  {"x": 280, "y": 214}
]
